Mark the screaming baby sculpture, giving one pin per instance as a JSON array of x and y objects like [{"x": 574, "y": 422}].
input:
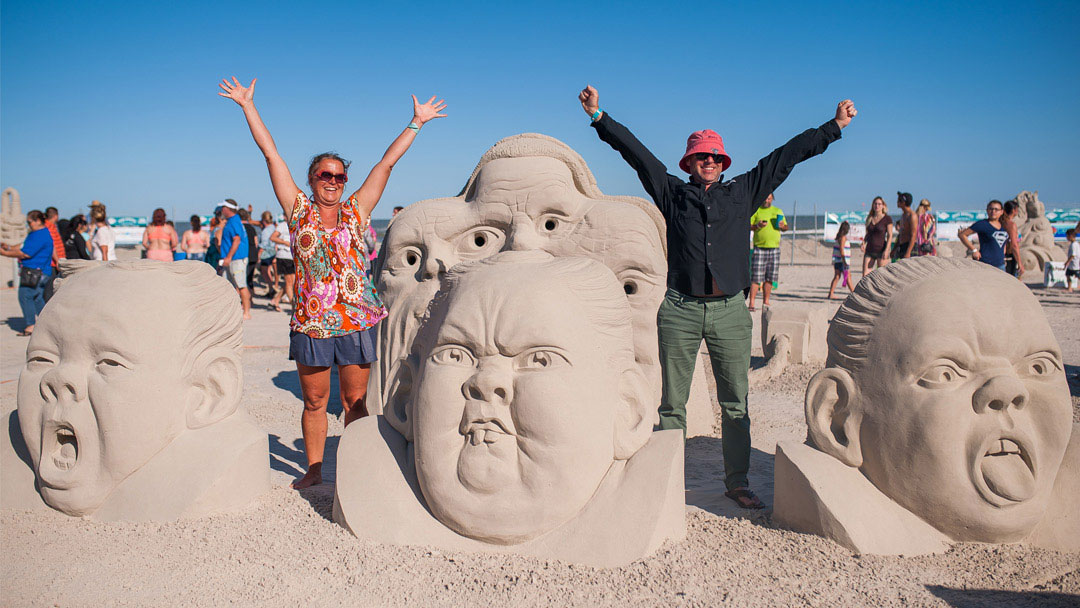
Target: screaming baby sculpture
[
  {"x": 129, "y": 402},
  {"x": 934, "y": 424},
  {"x": 520, "y": 422}
]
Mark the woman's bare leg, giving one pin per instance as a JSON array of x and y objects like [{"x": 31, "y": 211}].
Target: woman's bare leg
[
  {"x": 315, "y": 387},
  {"x": 352, "y": 381},
  {"x": 832, "y": 285}
]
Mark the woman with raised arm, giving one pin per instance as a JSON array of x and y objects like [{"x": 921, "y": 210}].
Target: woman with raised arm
[{"x": 337, "y": 307}]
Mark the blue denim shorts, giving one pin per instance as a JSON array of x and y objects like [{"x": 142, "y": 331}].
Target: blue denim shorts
[{"x": 350, "y": 349}]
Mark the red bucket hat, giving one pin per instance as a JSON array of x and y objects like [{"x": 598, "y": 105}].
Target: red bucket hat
[{"x": 708, "y": 142}]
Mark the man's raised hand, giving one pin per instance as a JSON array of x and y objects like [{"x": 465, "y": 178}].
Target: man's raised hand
[
  {"x": 845, "y": 111},
  {"x": 235, "y": 91},
  {"x": 590, "y": 100}
]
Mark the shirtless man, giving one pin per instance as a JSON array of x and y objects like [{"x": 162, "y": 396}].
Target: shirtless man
[{"x": 909, "y": 224}]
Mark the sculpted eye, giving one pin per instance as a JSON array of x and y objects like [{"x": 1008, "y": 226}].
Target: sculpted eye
[
  {"x": 941, "y": 374},
  {"x": 1042, "y": 364},
  {"x": 551, "y": 223},
  {"x": 107, "y": 364},
  {"x": 454, "y": 354},
  {"x": 541, "y": 359},
  {"x": 483, "y": 240},
  {"x": 633, "y": 282},
  {"x": 39, "y": 361}
]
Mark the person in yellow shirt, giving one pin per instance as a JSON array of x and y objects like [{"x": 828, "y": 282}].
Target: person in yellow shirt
[{"x": 767, "y": 223}]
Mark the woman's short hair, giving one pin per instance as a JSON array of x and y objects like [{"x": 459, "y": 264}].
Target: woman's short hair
[
  {"x": 196, "y": 223},
  {"x": 267, "y": 216},
  {"x": 321, "y": 157},
  {"x": 97, "y": 213},
  {"x": 34, "y": 215},
  {"x": 925, "y": 203}
]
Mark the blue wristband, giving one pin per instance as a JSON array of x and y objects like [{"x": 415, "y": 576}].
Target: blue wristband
[
  {"x": 596, "y": 114},
  {"x": 415, "y": 127}
]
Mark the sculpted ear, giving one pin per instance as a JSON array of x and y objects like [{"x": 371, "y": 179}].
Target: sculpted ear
[
  {"x": 217, "y": 379},
  {"x": 636, "y": 416},
  {"x": 833, "y": 415},
  {"x": 397, "y": 398}
]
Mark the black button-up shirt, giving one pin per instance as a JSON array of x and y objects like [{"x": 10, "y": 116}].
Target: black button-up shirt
[{"x": 708, "y": 231}]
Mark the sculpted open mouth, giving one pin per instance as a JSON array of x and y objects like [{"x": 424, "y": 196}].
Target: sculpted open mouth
[
  {"x": 60, "y": 452},
  {"x": 1005, "y": 472},
  {"x": 487, "y": 430},
  {"x": 66, "y": 453}
]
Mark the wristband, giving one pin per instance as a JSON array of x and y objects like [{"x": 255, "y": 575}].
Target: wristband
[
  {"x": 415, "y": 127},
  {"x": 596, "y": 115}
]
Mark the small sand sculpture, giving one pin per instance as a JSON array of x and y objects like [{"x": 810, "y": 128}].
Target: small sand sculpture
[
  {"x": 938, "y": 418},
  {"x": 12, "y": 220},
  {"x": 1037, "y": 245},
  {"x": 528, "y": 192},
  {"x": 128, "y": 405},
  {"x": 521, "y": 422},
  {"x": 791, "y": 334}
]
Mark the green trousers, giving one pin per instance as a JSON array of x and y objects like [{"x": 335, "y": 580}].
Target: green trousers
[{"x": 725, "y": 325}]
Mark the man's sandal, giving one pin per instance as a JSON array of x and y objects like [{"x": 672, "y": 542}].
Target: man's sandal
[{"x": 745, "y": 498}]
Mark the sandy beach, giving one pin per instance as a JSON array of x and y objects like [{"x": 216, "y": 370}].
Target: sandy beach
[{"x": 285, "y": 550}]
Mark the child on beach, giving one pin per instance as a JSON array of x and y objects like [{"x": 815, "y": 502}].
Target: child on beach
[
  {"x": 1072, "y": 264},
  {"x": 841, "y": 259}
]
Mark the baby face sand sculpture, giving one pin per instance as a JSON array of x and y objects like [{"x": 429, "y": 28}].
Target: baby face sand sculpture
[
  {"x": 521, "y": 406},
  {"x": 959, "y": 414},
  {"x": 529, "y": 192},
  {"x": 129, "y": 402}
]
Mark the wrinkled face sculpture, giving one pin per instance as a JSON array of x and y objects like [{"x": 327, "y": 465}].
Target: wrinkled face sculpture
[
  {"x": 518, "y": 204},
  {"x": 98, "y": 399},
  {"x": 517, "y": 405},
  {"x": 965, "y": 423}
]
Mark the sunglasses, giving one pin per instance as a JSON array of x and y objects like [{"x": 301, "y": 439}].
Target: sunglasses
[
  {"x": 327, "y": 176},
  {"x": 703, "y": 156}
]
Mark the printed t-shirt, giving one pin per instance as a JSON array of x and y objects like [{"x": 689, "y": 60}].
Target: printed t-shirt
[
  {"x": 104, "y": 237},
  {"x": 266, "y": 248},
  {"x": 769, "y": 236},
  {"x": 876, "y": 235},
  {"x": 234, "y": 227},
  {"x": 284, "y": 252},
  {"x": 991, "y": 242},
  {"x": 1074, "y": 252},
  {"x": 39, "y": 246},
  {"x": 335, "y": 297}
]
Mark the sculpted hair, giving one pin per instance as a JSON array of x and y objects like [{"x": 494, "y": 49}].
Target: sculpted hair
[{"x": 853, "y": 325}]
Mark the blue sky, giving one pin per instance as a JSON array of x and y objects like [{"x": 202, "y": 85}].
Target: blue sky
[{"x": 958, "y": 102}]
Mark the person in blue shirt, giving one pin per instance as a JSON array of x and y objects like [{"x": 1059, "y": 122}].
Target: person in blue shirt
[
  {"x": 992, "y": 237},
  {"x": 234, "y": 244},
  {"x": 36, "y": 252}
]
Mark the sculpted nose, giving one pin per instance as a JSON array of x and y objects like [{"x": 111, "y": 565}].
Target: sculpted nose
[
  {"x": 1000, "y": 393},
  {"x": 62, "y": 382},
  {"x": 433, "y": 267},
  {"x": 492, "y": 383},
  {"x": 522, "y": 235}
]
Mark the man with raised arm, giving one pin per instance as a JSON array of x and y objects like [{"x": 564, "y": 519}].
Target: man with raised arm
[{"x": 707, "y": 232}]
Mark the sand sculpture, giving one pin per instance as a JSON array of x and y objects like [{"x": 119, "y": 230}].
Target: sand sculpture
[
  {"x": 528, "y": 192},
  {"x": 521, "y": 421},
  {"x": 932, "y": 424},
  {"x": 12, "y": 219},
  {"x": 791, "y": 334},
  {"x": 1037, "y": 245},
  {"x": 129, "y": 403}
]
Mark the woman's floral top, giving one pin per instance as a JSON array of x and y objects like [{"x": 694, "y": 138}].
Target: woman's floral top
[{"x": 335, "y": 297}]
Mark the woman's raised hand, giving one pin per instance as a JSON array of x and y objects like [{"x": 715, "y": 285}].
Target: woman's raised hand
[
  {"x": 237, "y": 92},
  {"x": 423, "y": 112}
]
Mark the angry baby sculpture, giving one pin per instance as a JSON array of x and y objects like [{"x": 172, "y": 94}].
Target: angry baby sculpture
[
  {"x": 933, "y": 424},
  {"x": 129, "y": 402},
  {"x": 529, "y": 192},
  {"x": 520, "y": 422}
]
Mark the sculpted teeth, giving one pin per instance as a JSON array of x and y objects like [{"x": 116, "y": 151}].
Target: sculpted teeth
[{"x": 1003, "y": 447}]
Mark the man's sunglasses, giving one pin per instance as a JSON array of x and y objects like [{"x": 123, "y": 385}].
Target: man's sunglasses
[
  {"x": 327, "y": 176},
  {"x": 702, "y": 156}
]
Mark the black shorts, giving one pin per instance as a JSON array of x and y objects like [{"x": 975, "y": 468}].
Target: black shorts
[
  {"x": 266, "y": 261},
  {"x": 285, "y": 266},
  {"x": 1071, "y": 273}
]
